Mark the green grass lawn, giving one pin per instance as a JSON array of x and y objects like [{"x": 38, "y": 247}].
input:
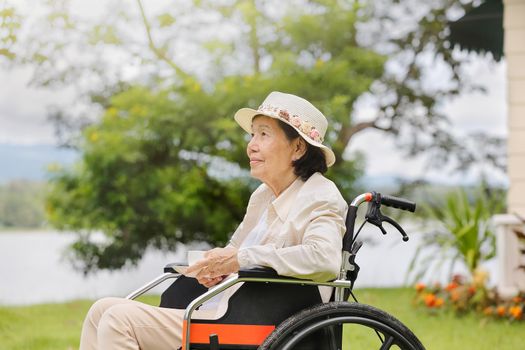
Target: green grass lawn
[
  {"x": 46, "y": 326},
  {"x": 57, "y": 326},
  {"x": 446, "y": 331}
]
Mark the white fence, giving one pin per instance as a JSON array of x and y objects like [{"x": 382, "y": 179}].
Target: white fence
[{"x": 511, "y": 277}]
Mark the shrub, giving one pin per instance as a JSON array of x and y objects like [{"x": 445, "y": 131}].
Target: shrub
[
  {"x": 463, "y": 296},
  {"x": 460, "y": 231}
]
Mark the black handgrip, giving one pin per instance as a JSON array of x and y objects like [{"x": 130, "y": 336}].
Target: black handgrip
[{"x": 399, "y": 203}]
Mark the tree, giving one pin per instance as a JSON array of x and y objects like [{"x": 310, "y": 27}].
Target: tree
[
  {"x": 153, "y": 170},
  {"x": 22, "y": 204},
  {"x": 149, "y": 169},
  {"x": 9, "y": 27}
]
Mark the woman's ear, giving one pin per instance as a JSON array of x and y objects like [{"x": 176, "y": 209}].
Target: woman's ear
[{"x": 300, "y": 148}]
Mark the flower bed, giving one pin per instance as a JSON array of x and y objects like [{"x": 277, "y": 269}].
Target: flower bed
[{"x": 462, "y": 296}]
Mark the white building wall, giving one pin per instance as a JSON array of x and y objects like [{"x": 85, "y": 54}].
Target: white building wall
[
  {"x": 512, "y": 279},
  {"x": 514, "y": 47}
]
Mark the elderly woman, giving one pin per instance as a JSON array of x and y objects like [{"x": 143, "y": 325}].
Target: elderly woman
[{"x": 294, "y": 223}]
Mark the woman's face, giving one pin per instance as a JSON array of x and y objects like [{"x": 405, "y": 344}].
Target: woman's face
[{"x": 271, "y": 153}]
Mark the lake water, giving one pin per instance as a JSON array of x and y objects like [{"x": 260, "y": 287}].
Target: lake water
[{"x": 33, "y": 269}]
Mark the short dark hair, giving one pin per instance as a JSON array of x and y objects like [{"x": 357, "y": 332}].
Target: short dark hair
[{"x": 312, "y": 161}]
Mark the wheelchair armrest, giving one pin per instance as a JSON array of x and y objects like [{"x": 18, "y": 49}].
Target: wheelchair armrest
[
  {"x": 259, "y": 271},
  {"x": 265, "y": 272},
  {"x": 170, "y": 268}
]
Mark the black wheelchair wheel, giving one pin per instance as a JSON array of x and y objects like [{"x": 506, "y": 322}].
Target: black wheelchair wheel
[{"x": 341, "y": 326}]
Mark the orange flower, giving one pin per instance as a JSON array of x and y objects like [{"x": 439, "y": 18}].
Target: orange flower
[
  {"x": 454, "y": 295},
  {"x": 439, "y": 302},
  {"x": 451, "y": 286},
  {"x": 472, "y": 290},
  {"x": 516, "y": 299},
  {"x": 488, "y": 310},
  {"x": 420, "y": 286},
  {"x": 430, "y": 300},
  {"x": 457, "y": 278},
  {"x": 516, "y": 312},
  {"x": 500, "y": 310}
]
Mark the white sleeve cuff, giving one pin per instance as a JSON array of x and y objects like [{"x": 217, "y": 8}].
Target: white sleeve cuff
[{"x": 243, "y": 258}]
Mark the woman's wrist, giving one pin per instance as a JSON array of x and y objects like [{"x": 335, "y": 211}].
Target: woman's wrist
[{"x": 243, "y": 258}]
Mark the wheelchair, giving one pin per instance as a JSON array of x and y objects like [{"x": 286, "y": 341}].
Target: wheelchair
[{"x": 270, "y": 312}]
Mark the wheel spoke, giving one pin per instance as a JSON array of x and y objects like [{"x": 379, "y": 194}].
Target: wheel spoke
[
  {"x": 387, "y": 343},
  {"x": 363, "y": 327},
  {"x": 379, "y": 336}
]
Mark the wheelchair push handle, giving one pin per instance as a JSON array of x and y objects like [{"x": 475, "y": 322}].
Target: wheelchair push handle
[
  {"x": 398, "y": 203},
  {"x": 374, "y": 215}
]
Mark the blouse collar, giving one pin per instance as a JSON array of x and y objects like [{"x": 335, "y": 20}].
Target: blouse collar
[{"x": 284, "y": 202}]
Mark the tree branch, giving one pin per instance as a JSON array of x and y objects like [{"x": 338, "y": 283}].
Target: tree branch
[
  {"x": 158, "y": 52},
  {"x": 348, "y": 133},
  {"x": 254, "y": 39}
]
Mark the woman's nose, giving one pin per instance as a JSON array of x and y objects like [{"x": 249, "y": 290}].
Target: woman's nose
[
  {"x": 252, "y": 146},
  {"x": 252, "y": 143}
]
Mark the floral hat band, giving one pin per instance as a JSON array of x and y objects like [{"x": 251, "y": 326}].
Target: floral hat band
[
  {"x": 304, "y": 126},
  {"x": 295, "y": 111}
]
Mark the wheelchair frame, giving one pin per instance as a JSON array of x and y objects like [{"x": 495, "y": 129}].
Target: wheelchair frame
[
  {"x": 229, "y": 282},
  {"x": 344, "y": 282}
]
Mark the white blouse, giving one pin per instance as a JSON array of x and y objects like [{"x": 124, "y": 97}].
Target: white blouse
[{"x": 254, "y": 238}]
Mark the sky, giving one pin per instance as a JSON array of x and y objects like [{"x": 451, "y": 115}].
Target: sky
[
  {"x": 468, "y": 113},
  {"x": 23, "y": 120}
]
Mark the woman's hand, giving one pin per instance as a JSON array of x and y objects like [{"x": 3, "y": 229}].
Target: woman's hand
[{"x": 217, "y": 264}]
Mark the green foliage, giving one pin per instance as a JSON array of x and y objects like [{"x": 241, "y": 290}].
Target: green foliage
[
  {"x": 147, "y": 178},
  {"x": 9, "y": 28},
  {"x": 165, "y": 20},
  {"x": 460, "y": 231},
  {"x": 167, "y": 164},
  {"x": 104, "y": 34},
  {"x": 22, "y": 204},
  {"x": 164, "y": 162}
]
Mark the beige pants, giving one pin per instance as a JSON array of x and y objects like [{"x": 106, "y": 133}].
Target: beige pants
[{"x": 116, "y": 323}]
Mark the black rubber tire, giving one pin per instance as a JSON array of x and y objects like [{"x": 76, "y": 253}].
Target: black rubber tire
[{"x": 308, "y": 321}]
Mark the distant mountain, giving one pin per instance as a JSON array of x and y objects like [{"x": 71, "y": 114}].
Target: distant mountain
[
  {"x": 30, "y": 162},
  {"x": 375, "y": 182}
]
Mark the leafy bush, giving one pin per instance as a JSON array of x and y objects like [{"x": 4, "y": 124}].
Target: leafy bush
[
  {"x": 22, "y": 204},
  {"x": 462, "y": 296},
  {"x": 460, "y": 231}
]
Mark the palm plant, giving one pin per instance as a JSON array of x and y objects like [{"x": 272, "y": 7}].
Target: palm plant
[{"x": 461, "y": 232}]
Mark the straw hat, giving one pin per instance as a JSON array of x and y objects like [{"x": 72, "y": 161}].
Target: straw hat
[{"x": 295, "y": 111}]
